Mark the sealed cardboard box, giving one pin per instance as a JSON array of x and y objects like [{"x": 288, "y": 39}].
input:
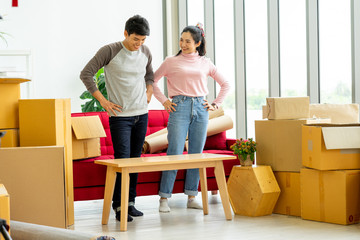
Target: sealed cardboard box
[
  {"x": 35, "y": 179},
  {"x": 289, "y": 199},
  {"x": 286, "y": 108},
  {"x": 331, "y": 146},
  {"x": 253, "y": 191},
  {"x": 338, "y": 113},
  {"x": 279, "y": 143},
  {"x": 47, "y": 122},
  {"x": 4, "y": 206},
  {"x": 86, "y": 133},
  {"x": 11, "y": 138},
  {"x": 330, "y": 196},
  {"x": 9, "y": 97}
]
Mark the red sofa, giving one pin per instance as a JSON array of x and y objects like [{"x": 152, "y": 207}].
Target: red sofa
[{"x": 89, "y": 178}]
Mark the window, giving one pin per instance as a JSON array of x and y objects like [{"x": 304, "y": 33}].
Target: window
[
  {"x": 195, "y": 10},
  {"x": 256, "y": 57},
  {"x": 224, "y": 54},
  {"x": 335, "y": 51},
  {"x": 293, "y": 72}
]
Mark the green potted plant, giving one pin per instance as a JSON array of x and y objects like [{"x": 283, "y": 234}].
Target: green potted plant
[
  {"x": 245, "y": 150},
  {"x": 93, "y": 105}
]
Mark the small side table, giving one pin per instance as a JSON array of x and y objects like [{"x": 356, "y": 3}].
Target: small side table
[{"x": 253, "y": 191}]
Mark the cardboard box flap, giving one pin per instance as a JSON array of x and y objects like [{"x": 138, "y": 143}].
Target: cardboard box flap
[
  {"x": 3, "y": 191},
  {"x": 13, "y": 80},
  {"x": 87, "y": 127},
  {"x": 341, "y": 137},
  {"x": 333, "y": 125}
]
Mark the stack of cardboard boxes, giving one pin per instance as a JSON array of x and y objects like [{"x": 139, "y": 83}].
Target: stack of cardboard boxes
[
  {"x": 294, "y": 146},
  {"x": 9, "y": 115},
  {"x": 36, "y": 156},
  {"x": 330, "y": 183}
]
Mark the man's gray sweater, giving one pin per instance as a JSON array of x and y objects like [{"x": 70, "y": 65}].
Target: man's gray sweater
[{"x": 127, "y": 73}]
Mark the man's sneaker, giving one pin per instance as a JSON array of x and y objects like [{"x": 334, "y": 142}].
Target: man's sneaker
[
  {"x": 134, "y": 212},
  {"x": 118, "y": 213}
]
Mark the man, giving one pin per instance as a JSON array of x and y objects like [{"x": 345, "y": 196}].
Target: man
[{"x": 128, "y": 78}]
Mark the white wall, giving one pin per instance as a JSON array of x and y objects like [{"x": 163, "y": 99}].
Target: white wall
[{"x": 64, "y": 35}]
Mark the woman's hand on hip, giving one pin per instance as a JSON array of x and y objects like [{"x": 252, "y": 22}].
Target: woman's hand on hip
[{"x": 208, "y": 106}]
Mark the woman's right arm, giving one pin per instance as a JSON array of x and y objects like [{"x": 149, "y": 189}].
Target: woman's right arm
[{"x": 160, "y": 72}]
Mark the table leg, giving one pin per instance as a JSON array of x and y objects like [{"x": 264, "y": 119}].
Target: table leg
[
  {"x": 108, "y": 193},
  {"x": 204, "y": 190},
  {"x": 221, "y": 182},
  {"x": 125, "y": 180}
]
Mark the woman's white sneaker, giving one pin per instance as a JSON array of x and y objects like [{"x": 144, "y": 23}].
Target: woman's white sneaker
[
  {"x": 192, "y": 203},
  {"x": 164, "y": 207}
]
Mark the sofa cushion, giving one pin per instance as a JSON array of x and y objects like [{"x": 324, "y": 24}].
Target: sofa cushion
[
  {"x": 217, "y": 142},
  {"x": 87, "y": 173},
  {"x": 157, "y": 120}
]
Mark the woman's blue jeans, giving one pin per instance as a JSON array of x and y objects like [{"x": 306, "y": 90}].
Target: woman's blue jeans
[
  {"x": 128, "y": 135},
  {"x": 190, "y": 119}
]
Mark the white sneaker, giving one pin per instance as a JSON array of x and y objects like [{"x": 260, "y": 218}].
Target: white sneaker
[
  {"x": 164, "y": 207},
  {"x": 192, "y": 203}
]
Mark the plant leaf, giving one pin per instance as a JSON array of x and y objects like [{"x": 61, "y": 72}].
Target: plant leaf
[
  {"x": 86, "y": 95},
  {"x": 89, "y": 106}
]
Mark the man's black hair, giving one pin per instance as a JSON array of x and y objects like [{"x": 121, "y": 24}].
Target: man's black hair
[{"x": 137, "y": 25}]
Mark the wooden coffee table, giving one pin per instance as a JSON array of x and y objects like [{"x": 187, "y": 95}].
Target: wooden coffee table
[{"x": 162, "y": 163}]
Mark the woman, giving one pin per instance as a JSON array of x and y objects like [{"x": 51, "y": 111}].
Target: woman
[{"x": 187, "y": 74}]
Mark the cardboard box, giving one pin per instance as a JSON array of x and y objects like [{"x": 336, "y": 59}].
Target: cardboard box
[
  {"x": 330, "y": 196},
  {"x": 86, "y": 133},
  {"x": 338, "y": 113},
  {"x": 279, "y": 143},
  {"x": 11, "y": 138},
  {"x": 47, "y": 122},
  {"x": 253, "y": 191},
  {"x": 35, "y": 179},
  {"x": 286, "y": 108},
  {"x": 331, "y": 147},
  {"x": 4, "y": 206},
  {"x": 9, "y": 97},
  {"x": 289, "y": 199}
]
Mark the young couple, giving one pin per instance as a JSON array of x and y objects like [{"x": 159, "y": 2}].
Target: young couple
[{"x": 130, "y": 83}]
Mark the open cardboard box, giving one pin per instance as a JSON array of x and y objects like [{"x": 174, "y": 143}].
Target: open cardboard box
[
  {"x": 331, "y": 146},
  {"x": 86, "y": 133}
]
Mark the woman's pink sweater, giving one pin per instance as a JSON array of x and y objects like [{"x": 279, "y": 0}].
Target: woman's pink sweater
[{"x": 187, "y": 75}]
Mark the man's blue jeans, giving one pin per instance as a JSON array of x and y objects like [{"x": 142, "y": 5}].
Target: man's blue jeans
[
  {"x": 128, "y": 135},
  {"x": 190, "y": 119}
]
